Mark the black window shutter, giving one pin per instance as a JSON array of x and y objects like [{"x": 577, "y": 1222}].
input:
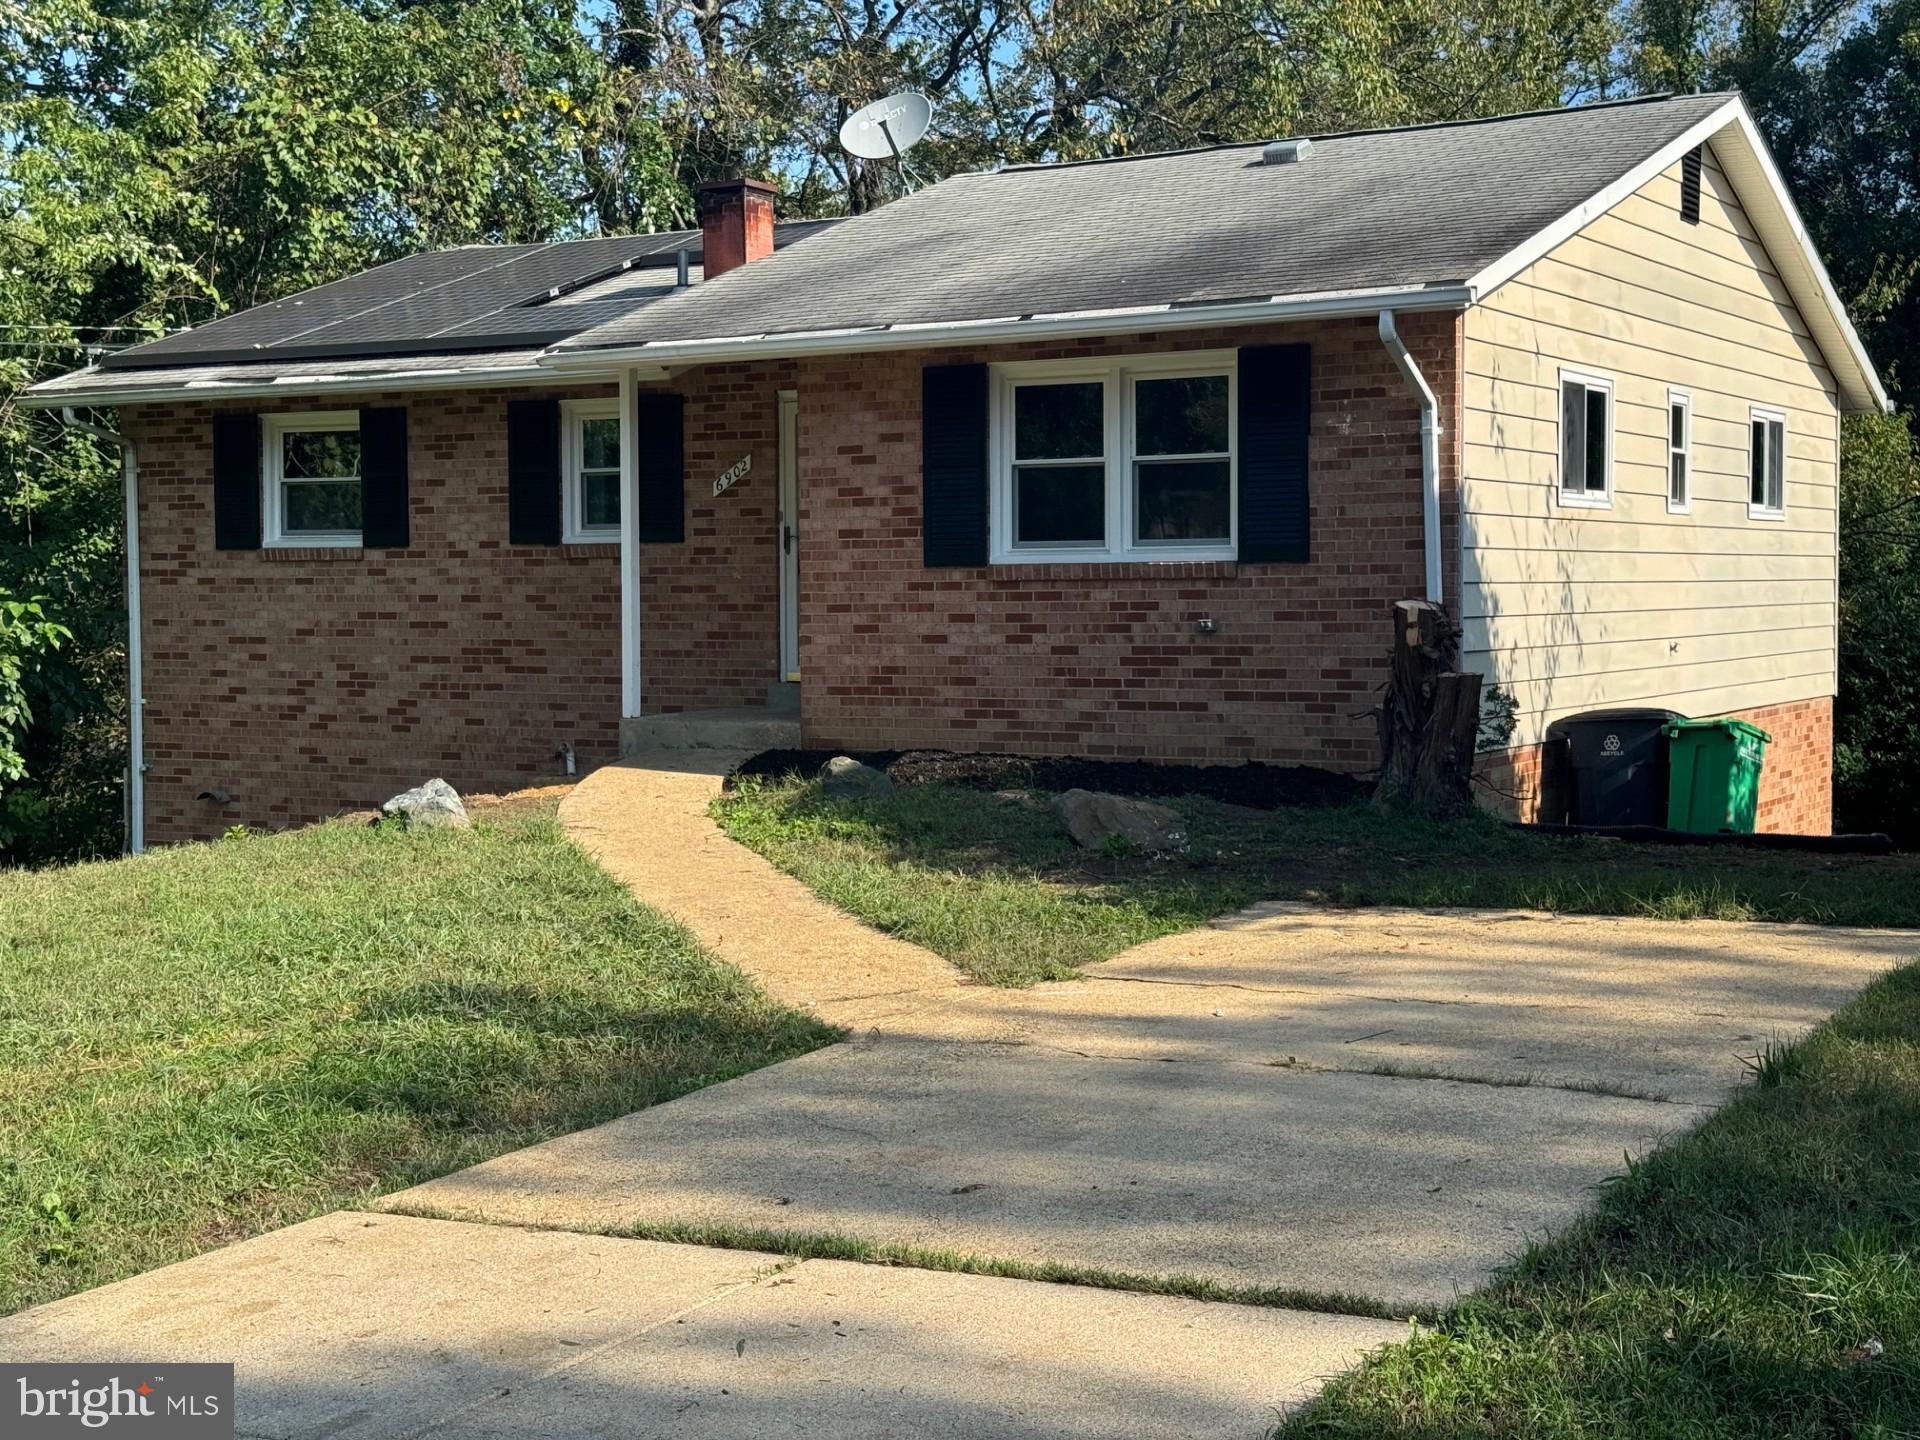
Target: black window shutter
[
  {"x": 662, "y": 469},
  {"x": 1275, "y": 391},
  {"x": 953, "y": 464},
  {"x": 383, "y": 478},
  {"x": 533, "y": 472},
  {"x": 236, "y": 482},
  {"x": 1690, "y": 186}
]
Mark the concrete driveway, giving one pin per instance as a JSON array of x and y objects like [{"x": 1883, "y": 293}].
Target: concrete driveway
[{"x": 1386, "y": 1104}]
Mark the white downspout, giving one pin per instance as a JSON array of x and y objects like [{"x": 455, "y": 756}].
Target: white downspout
[
  {"x": 136, "y": 696},
  {"x": 629, "y": 547},
  {"x": 1429, "y": 448}
]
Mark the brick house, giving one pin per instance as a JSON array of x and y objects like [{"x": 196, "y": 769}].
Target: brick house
[{"x": 1122, "y": 459}]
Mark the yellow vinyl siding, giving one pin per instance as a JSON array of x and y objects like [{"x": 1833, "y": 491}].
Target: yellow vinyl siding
[{"x": 1700, "y": 612}]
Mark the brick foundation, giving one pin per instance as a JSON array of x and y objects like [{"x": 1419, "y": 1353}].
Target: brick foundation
[{"x": 1796, "y": 783}]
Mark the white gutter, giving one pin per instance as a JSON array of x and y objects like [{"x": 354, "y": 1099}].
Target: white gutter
[
  {"x": 1429, "y": 448},
  {"x": 136, "y": 699},
  {"x": 1323, "y": 305},
  {"x": 154, "y": 391}
]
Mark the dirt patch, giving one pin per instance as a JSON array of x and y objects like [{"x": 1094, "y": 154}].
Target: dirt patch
[
  {"x": 513, "y": 802},
  {"x": 1255, "y": 785},
  {"x": 516, "y": 802}
]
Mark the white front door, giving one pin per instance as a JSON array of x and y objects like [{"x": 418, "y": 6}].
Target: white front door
[{"x": 789, "y": 536}]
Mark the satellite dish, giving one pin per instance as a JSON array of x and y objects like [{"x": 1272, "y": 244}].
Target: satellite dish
[{"x": 884, "y": 129}]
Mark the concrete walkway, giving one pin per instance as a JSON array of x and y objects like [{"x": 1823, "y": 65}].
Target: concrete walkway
[{"x": 645, "y": 820}]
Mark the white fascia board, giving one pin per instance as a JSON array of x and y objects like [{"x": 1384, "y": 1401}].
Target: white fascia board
[
  {"x": 1754, "y": 149},
  {"x": 1814, "y": 294},
  {"x": 1077, "y": 324},
  {"x": 401, "y": 380}
]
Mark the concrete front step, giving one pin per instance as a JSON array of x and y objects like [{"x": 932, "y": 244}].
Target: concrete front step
[{"x": 748, "y": 729}]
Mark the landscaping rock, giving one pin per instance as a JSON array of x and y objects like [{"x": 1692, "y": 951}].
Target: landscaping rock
[
  {"x": 434, "y": 803},
  {"x": 847, "y": 779},
  {"x": 1097, "y": 821}
]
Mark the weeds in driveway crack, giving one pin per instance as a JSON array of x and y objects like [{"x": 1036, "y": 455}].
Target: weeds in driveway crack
[
  {"x": 800, "y": 1245},
  {"x": 1388, "y": 1070}
]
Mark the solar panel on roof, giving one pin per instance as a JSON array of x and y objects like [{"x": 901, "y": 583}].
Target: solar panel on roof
[{"x": 476, "y": 297}]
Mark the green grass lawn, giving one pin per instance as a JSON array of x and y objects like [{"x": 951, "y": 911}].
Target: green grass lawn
[
  {"x": 997, "y": 887},
  {"x": 1757, "y": 1277},
  {"x": 210, "y": 1041}
]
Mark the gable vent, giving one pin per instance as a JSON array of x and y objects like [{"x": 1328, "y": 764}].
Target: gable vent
[
  {"x": 1286, "y": 152},
  {"x": 1690, "y": 186}
]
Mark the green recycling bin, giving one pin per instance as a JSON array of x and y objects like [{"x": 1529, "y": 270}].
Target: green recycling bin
[{"x": 1713, "y": 775}]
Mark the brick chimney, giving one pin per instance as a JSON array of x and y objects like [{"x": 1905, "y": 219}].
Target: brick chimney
[{"x": 736, "y": 224}]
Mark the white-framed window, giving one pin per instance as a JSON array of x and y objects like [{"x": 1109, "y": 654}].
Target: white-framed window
[
  {"x": 590, "y": 471},
  {"x": 1586, "y": 439},
  {"x": 311, "y": 471},
  {"x": 1767, "y": 465},
  {"x": 1128, "y": 459},
  {"x": 1679, "y": 449}
]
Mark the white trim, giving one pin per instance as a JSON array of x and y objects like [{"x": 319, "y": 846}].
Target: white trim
[
  {"x": 1732, "y": 126},
  {"x": 274, "y": 534},
  {"x": 1116, "y": 377},
  {"x": 1684, "y": 399},
  {"x": 1541, "y": 242},
  {"x": 1581, "y": 500},
  {"x": 1770, "y": 415},
  {"x": 395, "y": 380},
  {"x": 630, "y": 616},
  {"x": 1323, "y": 304},
  {"x": 573, "y": 415}
]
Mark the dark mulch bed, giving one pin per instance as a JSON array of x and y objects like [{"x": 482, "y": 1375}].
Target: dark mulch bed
[{"x": 1258, "y": 786}]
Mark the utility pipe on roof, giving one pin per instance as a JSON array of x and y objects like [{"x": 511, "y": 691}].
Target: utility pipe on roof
[
  {"x": 136, "y": 700},
  {"x": 1429, "y": 447}
]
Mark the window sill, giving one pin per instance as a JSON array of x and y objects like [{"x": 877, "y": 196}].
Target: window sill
[
  {"x": 280, "y": 551},
  {"x": 1602, "y": 501},
  {"x": 1171, "y": 554},
  {"x": 591, "y": 538},
  {"x": 1221, "y": 567},
  {"x": 1761, "y": 512},
  {"x": 1679, "y": 507}
]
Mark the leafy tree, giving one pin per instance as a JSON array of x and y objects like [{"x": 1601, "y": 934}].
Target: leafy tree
[{"x": 1877, "y": 722}]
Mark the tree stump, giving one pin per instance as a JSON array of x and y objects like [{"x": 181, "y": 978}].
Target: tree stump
[{"x": 1429, "y": 718}]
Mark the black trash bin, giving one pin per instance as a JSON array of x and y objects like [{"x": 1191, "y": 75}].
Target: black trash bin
[{"x": 1618, "y": 765}]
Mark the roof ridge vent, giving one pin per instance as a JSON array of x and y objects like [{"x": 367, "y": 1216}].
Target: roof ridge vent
[{"x": 1286, "y": 152}]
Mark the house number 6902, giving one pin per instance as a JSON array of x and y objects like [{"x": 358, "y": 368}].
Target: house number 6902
[{"x": 734, "y": 472}]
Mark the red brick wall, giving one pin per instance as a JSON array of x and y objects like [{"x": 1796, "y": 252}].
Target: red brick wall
[
  {"x": 1105, "y": 660},
  {"x": 1796, "y": 780},
  {"x": 307, "y": 681}
]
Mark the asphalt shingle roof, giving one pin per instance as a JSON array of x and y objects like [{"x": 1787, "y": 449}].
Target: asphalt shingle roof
[
  {"x": 1386, "y": 209},
  {"x": 1390, "y": 208}
]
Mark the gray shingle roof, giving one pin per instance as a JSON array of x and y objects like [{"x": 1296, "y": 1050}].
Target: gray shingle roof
[
  {"x": 1391, "y": 208},
  {"x": 475, "y": 297}
]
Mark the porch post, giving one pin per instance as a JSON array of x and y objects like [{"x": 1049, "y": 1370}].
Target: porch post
[{"x": 629, "y": 548}]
